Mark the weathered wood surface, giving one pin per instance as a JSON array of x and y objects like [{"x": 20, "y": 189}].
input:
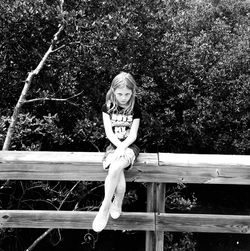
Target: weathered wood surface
[
  {"x": 27, "y": 165},
  {"x": 128, "y": 221},
  {"x": 160, "y": 208},
  {"x": 150, "y": 242},
  {"x": 66, "y": 157},
  {"x": 73, "y": 220},
  {"x": 213, "y": 223},
  {"x": 150, "y": 167},
  {"x": 204, "y": 168}
]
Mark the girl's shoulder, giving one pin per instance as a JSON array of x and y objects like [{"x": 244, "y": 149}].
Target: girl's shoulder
[
  {"x": 105, "y": 108},
  {"x": 137, "y": 110}
]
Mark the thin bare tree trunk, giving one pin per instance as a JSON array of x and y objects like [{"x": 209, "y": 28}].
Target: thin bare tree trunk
[{"x": 25, "y": 90}]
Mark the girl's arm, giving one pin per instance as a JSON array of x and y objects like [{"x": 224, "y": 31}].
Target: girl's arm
[
  {"x": 120, "y": 150},
  {"x": 108, "y": 130},
  {"x": 113, "y": 138},
  {"x": 132, "y": 134}
]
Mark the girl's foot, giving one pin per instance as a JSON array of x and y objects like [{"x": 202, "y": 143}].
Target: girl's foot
[
  {"x": 100, "y": 220},
  {"x": 115, "y": 210}
]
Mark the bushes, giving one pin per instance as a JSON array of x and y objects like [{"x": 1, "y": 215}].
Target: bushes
[
  {"x": 190, "y": 59},
  {"x": 31, "y": 133}
]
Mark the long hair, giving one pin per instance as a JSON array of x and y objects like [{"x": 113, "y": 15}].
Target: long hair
[{"x": 123, "y": 79}]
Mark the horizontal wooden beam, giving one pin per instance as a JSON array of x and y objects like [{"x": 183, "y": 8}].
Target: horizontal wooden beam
[
  {"x": 213, "y": 223},
  {"x": 150, "y": 167},
  {"x": 28, "y": 165},
  {"x": 204, "y": 168},
  {"x": 73, "y": 220},
  {"x": 67, "y": 157}
]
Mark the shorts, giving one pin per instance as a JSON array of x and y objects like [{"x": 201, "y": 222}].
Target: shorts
[{"x": 131, "y": 154}]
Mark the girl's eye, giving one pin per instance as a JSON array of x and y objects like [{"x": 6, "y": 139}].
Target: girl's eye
[{"x": 126, "y": 94}]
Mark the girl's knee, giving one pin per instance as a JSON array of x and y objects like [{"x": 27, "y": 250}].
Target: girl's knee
[
  {"x": 120, "y": 164},
  {"x": 114, "y": 170}
]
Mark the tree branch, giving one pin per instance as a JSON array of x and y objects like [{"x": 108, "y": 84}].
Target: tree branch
[
  {"x": 59, "y": 48},
  {"x": 41, "y": 237},
  {"x": 45, "y": 99},
  {"x": 53, "y": 99},
  {"x": 27, "y": 84}
]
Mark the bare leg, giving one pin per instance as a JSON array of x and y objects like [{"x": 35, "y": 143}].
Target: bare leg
[
  {"x": 111, "y": 182},
  {"x": 116, "y": 207},
  {"x": 120, "y": 190}
]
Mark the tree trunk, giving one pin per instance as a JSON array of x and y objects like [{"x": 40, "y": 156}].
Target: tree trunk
[{"x": 22, "y": 98}]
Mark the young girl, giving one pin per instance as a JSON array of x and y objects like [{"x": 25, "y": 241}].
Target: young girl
[{"x": 121, "y": 118}]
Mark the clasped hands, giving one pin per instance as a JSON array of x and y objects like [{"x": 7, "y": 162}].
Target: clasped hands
[{"x": 119, "y": 152}]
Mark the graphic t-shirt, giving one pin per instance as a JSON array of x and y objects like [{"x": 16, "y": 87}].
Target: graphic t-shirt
[{"x": 121, "y": 123}]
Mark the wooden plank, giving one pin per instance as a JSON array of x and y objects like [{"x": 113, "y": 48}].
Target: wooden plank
[
  {"x": 172, "y": 168},
  {"x": 66, "y": 157},
  {"x": 150, "y": 241},
  {"x": 208, "y": 223},
  {"x": 204, "y": 168},
  {"x": 155, "y": 203},
  {"x": 73, "y": 220},
  {"x": 128, "y": 221},
  {"x": 21, "y": 165},
  {"x": 53, "y": 171},
  {"x": 204, "y": 160},
  {"x": 50, "y": 157},
  {"x": 160, "y": 208}
]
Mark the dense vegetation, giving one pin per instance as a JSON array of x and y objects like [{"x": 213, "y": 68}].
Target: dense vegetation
[{"x": 190, "y": 58}]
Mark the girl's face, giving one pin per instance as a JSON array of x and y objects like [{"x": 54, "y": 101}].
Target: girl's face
[{"x": 123, "y": 96}]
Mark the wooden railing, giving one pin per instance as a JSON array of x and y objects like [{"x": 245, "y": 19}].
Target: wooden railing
[{"x": 155, "y": 169}]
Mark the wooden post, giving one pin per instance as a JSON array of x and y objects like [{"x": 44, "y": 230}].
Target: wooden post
[
  {"x": 156, "y": 204},
  {"x": 160, "y": 208},
  {"x": 151, "y": 207}
]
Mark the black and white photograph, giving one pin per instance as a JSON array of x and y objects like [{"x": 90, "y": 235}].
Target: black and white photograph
[{"x": 125, "y": 125}]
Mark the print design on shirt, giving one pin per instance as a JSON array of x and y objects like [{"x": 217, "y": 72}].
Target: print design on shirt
[{"x": 121, "y": 124}]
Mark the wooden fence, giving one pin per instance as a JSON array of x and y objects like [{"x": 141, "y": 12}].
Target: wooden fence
[{"x": 155, "y": 169}]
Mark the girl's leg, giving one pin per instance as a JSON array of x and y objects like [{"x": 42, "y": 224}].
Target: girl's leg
[
  {"x": 111, "y": 182},
  {"x": 116, "y": 206},
  {"x": 113, "y": 179},
  {"x": 120, "y": 190}
]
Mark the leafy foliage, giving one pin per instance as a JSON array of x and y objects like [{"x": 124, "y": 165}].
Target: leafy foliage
[
  {"x": 180, "y": 242},
  {"x": 31, "y": 132},
  {"x": 190, "y": 59}
]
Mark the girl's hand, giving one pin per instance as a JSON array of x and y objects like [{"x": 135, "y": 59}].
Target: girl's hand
[{"x": 119, "y": 152}]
